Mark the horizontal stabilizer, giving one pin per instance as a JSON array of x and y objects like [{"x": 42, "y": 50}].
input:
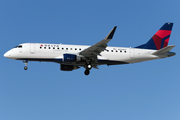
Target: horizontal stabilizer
[{"x": 163, "y": 50}]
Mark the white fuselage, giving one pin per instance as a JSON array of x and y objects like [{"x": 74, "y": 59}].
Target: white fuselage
[
  {"x": 72, "y": 57},
  {"x": 54, "y": 53}
]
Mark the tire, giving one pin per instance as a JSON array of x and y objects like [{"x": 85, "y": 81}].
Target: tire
[
  {"x": 86, "y": 72},
  {"x": 25, "y": 68}
]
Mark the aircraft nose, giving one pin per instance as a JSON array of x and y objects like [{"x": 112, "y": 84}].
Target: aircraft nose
[{"x": 7, "y": 54}]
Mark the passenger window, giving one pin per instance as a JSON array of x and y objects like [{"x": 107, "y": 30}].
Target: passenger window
[
  {"x": 49, "y": 47},
  {"x": 58, "y": 48},
  {"x": 66, "y": 48},
  {"x": 44, "y": 47},
  {"x": 75, "y": 48},
  {"x": 125, "y": 51},
  {"x": 62, "y": 48},
  {"x": 111, "y": 50},
  {"x": 53, "y": 47},
  {"x": 79, "y": 48},
  {"x": 40, "y": 47}
]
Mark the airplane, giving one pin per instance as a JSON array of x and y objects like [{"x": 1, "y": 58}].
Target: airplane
[{"x": 72, "y": 57}]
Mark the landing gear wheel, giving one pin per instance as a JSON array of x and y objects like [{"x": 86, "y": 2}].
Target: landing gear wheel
[
  {"x": 89, "y": 66},
  {"x": 86, "y": 72},
  {"x": 26, "y": 63},
  {"x": 25, "y": 68}
]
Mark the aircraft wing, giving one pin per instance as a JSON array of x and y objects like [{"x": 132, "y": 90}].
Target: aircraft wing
[{"x": 97, "y": 48}]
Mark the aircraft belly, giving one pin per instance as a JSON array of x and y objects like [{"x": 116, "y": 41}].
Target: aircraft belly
[{"x": 116, "y": 58}]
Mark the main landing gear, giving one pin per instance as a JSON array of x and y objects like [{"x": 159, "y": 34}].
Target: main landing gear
[
  {"x": 26, "y": 63},
  {"x": 88, "y": 68},
  {"x": 86, "y": 72}
]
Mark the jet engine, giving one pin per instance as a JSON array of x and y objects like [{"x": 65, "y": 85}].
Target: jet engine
[
  {"x": 68, "y": 67},
  {"x": 71, "y": 58}
]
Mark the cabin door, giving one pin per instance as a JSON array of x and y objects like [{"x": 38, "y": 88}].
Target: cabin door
[
  {"x": 32, "y": 48},
  {"x": 131, "y": 53}
]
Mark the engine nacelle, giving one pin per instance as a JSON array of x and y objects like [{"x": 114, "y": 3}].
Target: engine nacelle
[
  {"x": 68, "y": 67},
  {"x": 71, "y": 58}
]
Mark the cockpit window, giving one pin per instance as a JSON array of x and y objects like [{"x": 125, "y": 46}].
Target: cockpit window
[{"x": 19, "y": 46}]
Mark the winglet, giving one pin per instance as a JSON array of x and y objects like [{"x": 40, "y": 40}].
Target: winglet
[{"x": 110, "y": 35}]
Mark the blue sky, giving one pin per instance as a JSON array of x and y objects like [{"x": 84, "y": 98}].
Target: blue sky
[{"x": 141, "y": 91}]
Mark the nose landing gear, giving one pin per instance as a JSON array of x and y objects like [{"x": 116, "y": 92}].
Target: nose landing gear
[
  {"x": 25, "y": 67},
  {"x": 26, "y": 63}
]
